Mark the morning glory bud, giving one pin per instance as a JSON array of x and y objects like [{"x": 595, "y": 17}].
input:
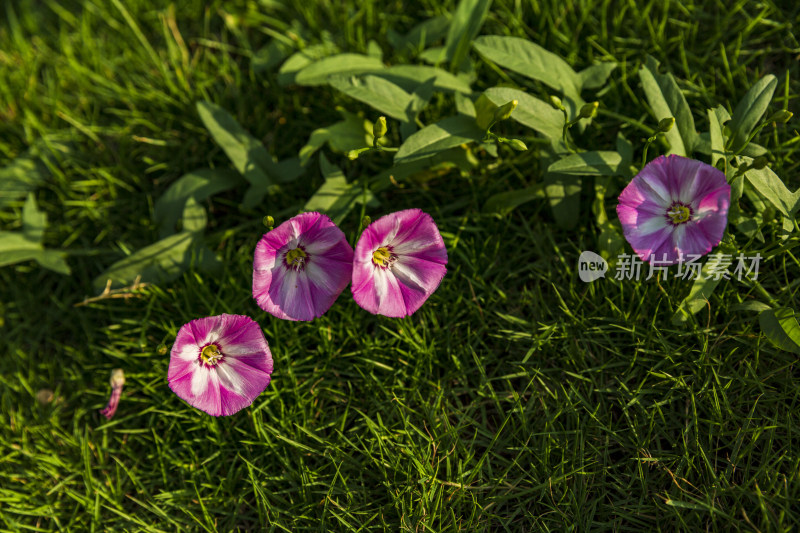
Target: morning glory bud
[
  {"x": 269, "y": 222},
  {"x": 759, "y": 162},
  {"x": 379, "y": 128},
  {"x": 665, "y": 124},
  {"x": 782, "y": 116},
  {"x": 517, "y": 145},
  {"x": 555, "y": 101},
  {"x": 505, "y": 110},
  {"x": 366, "y": 221},
  {"x": 589, "y": 110}
]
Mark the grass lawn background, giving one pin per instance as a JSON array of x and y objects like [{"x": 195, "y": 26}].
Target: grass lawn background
[{"x": 517, "y": 399}]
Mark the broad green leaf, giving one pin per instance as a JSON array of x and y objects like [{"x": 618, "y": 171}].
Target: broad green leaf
[
  {"x": 268, "y": 57},
  {"x": 374, "y": 50},
  {"x": 317, "y": 73},
  {"x": 409, "y": 77},
  {"x": 467, "y": 21},
  {"x": 588, "y": 164},
  {"x": 770, "y": 186},
  {"x": 750, "y": 305},
  {"x": 33, "y": 221},
  {"x": 300, "y": 60},
  {"x": 781, "y": 328},
  {"x": 529, "y": 59},
  {"x": 160, "y": 262},
  {"x": 530, "y": 111},
  {"x": 25, "y": 173},
  {"x": 247, "y": 154},
  {"x": 750, "y": 110},
  {"x": 666, "y": 100},
  {"x": 702, "y": 288},
  {"x": 505, "y": 202},
  {"x": 625, "y": 149},
  {"x": 198, "y": 184},
  {"x": 336, "y": 197},
  {"x": 422, "y": 35},
  {"x": 564, "y": 193},
  {"x": 352, "y": 133},
  {"x": 533, "y": 61},
  {"x": 447, "y": 133},
  {"x": 26, "y": 245},
  {"x": 376, "y": 92},
  {"x": 422, "y": 170},
  {"x": 485, "y": 110},
  {"x": 716, "y": 120},
  {"x": 194, "y": 216},
  {"x": 595, "y": 76}
]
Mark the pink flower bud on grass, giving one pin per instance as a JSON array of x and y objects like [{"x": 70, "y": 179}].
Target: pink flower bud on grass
[{"x": 117, "y": 381}]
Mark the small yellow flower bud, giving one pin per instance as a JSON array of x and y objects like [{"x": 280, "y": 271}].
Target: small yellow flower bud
[
  {"x": 783, "y": 116},
  {"x": 555, "y": 101},
  {"x": 517, "y": 145},
  {"x": 505, "y": 110},
  {"x": 269, "y": 221},
  {"x": 379, "y": 128},
  {"x": 665, "y": 124},
  {"x": 366, "y": 221},
  {"x": 589, "y": 110}
]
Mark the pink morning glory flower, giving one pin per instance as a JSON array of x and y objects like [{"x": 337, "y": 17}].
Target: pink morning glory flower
[
  {"x": 673, "y": 208},
  {"x": 219, "y": 364},
  {"x": 399, "y": 262},
  {"x": 301, "y": 267}
]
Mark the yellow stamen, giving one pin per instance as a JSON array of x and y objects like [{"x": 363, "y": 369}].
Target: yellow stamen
[
  {"x": 296, "y": 257},
  {"x": 382, "y": 256},
  {"x": 211, "y": 354},
  {"x": 679, "y": 214}
]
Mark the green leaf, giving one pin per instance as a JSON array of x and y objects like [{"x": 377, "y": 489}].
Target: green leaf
[
  {"x": 564, "y": 193},
  {"x": 194, "y": 216},
  {"x": 376, "y": 92},
  {"x": 447, "y": 133},
  {"x": 318, "y": 72},
  {"x": 198, "y": 184},
  {"x": 666, "y": 100},
  {"x": 268, "y": 57},
  {"x": 300, "y": 60},
  {"x": 25, "y": 173},
  {"x": 595, "y": 76},
  {"x": 352, "y": 133},
  {"x": 770, "y": 186},
  {"x": 716, "y": 120},
  {"x": 160, "y": 262},
  {"x": 409, "y": 77},
  {"x": 467, "y": 21},
  {"x": 505, "y": 202},
  {"x": 610, "y": 242},
  {"x": 702, "y": 288},
  {"x": 336, "y": 197},
  {"x": 530, "y": 111},
  {"x": 247, "y": 154},
  {"x": 26, "y": 245},
  {"x": 422, "y": 35},
  {"x": 750, "y": 109},
  {"x": 781, "y": 328},
  {"x": 588, "y": 164},
  {"x": 533, "y": 61}
]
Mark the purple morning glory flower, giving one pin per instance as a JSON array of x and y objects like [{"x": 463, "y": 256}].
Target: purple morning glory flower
[
  {"x": 399, "y": 262},
  {"x": 301, "y": 267},
  {"x": 673, "y": 208},
  {"x": 220, "y": 364}
]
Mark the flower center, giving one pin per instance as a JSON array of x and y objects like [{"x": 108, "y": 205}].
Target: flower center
[
  {"x": 679, "y": 213},
  {"x": 383, "y": 256},
  {"x": 296, "y": 258},
  {"x": 211, "y": 354}
]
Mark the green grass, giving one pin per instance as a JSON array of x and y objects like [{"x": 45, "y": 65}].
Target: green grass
[{"x": 517, "y": 399}]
